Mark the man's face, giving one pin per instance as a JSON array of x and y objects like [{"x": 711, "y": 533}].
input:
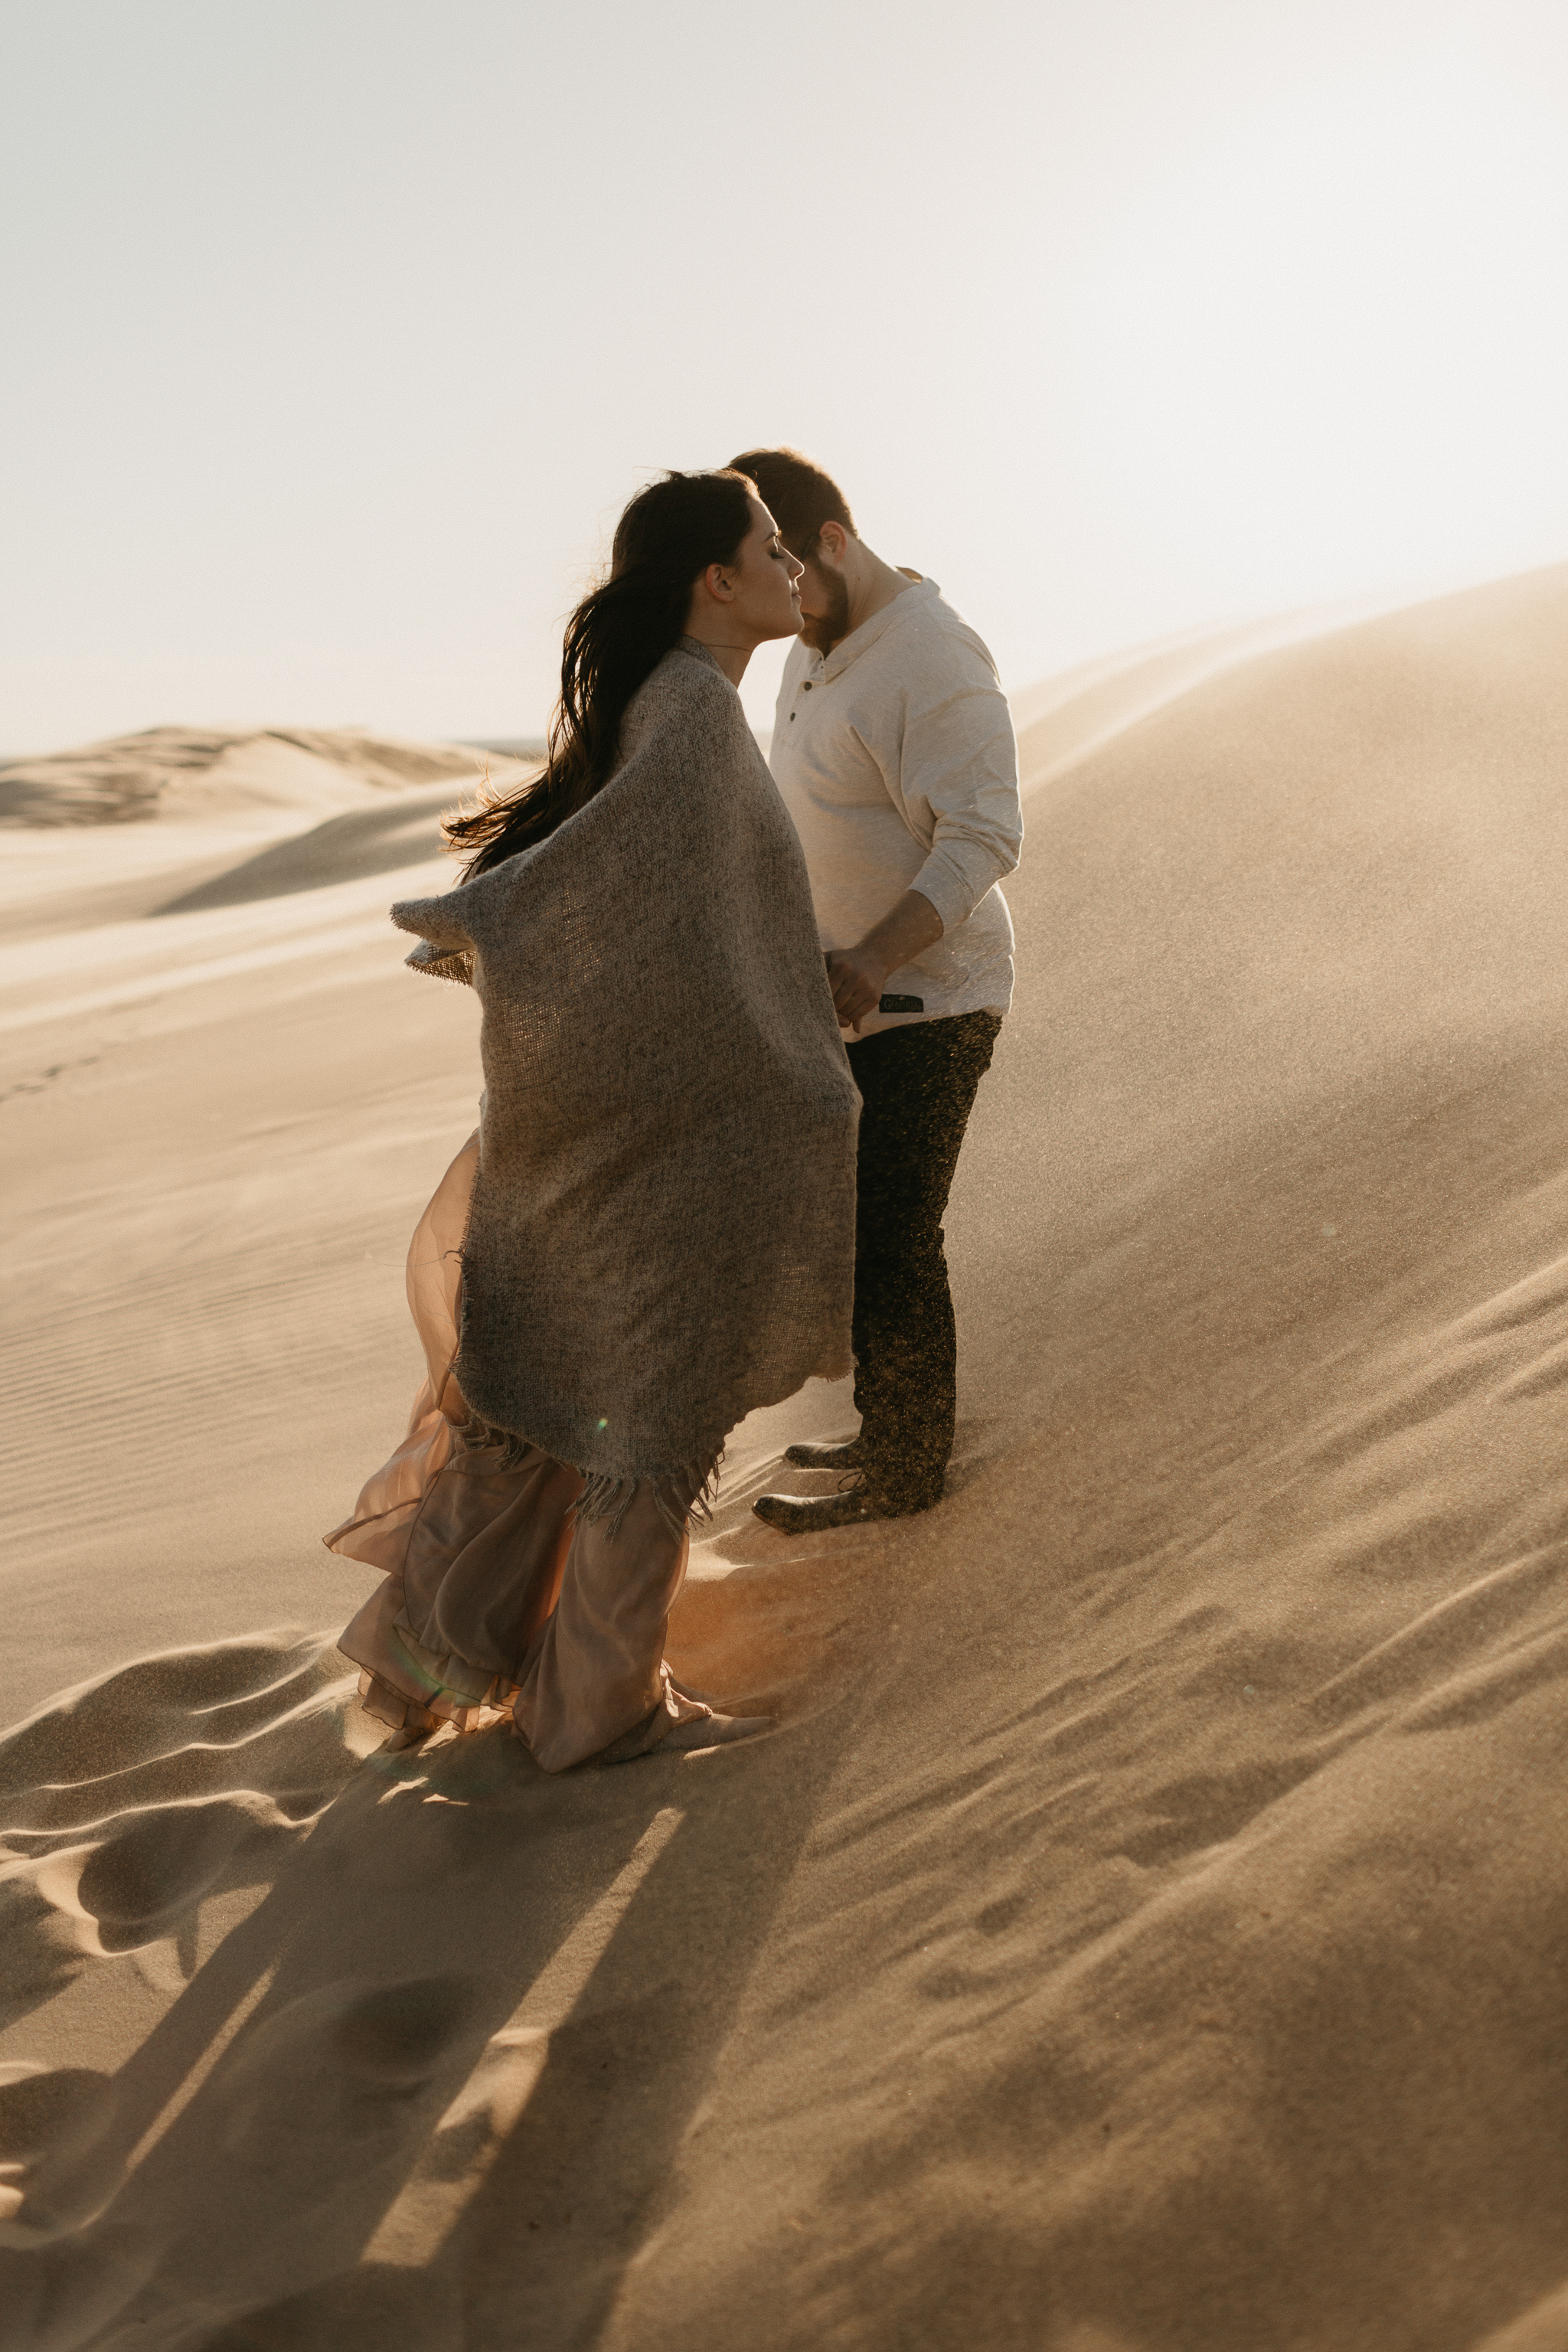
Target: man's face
[{"x": 823, "y": 604}]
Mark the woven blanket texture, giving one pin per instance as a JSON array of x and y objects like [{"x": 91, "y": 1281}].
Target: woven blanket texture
[{"x": 662, "y": 1235}]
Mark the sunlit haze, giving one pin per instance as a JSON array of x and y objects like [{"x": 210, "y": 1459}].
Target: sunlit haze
[{"x": 338, "y": 334}]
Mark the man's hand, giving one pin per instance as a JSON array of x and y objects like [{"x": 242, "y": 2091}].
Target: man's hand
[
  {"x": 855, "y": 980},
  {"x": 859, "y": 975}
]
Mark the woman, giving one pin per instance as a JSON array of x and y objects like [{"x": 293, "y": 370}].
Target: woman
[{"x": 652, "y": 1233}]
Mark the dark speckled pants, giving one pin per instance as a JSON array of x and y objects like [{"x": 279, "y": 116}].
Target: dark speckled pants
[{"x": 917, "y": 1084}]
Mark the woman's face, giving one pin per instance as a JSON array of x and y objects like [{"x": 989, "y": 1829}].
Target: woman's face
[{"x": 765, "y": 602}]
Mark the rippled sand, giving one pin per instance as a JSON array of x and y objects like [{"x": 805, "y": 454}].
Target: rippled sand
[{"x": 1143, "y": 1929}]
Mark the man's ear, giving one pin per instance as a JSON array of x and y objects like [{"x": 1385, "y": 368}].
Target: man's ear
[{"x": 833, "y": 539}]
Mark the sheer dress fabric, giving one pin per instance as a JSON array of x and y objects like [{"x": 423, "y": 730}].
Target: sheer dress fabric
[{"x": 497, "y": 1599}]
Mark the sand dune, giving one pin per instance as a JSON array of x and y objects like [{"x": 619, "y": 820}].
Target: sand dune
[
  {"x": 1066, "y": 717},
  {"x": 174, "y": 773},
  {"x": 1141, "y": 1931},
  {"x": 174, "y": 821}
]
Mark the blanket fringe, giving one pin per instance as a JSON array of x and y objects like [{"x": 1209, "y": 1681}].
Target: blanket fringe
[
  {"x": 477, "y": 1434},
  {"x": 606, "y": 1496},
  {"x": 607, "y": 1493},
  {"x": 453, "y": 964}
]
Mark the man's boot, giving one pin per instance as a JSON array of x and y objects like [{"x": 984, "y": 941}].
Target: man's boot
[
  {"x": 826, "y": 1457},
  {"x": 855, "y": 1502}
]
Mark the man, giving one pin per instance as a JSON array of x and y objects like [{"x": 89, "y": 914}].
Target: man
[{"x": 894, "y": 751}]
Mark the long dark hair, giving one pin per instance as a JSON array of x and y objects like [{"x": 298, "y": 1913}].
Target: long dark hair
[{"x": 665, "y": 541}]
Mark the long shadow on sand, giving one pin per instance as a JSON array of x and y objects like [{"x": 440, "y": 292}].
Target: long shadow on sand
[{"x": 478, "y": 2011}]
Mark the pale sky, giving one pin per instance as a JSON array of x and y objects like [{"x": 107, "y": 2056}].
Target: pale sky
[{"x": 338, "y": 331}]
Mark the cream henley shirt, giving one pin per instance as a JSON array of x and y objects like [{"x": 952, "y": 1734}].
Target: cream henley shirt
[{"x": 896, "y": 757}]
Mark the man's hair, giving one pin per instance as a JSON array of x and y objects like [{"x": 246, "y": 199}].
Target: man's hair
[
  {"x": 800, "y": 496},
  {"x": 672, "y": 531}
]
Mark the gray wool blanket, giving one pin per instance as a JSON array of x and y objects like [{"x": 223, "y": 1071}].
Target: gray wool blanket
[{"x": 662, "y": 1235}]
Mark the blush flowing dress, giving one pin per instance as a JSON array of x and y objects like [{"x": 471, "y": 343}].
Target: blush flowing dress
[{"x": 497, "y": 1599}]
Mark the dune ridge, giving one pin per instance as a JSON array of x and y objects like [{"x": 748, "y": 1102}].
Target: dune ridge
[
  {"x": 1141, "y": 1932},
  {"x": 173, "y": 773},
  {"x": 1065, "y": 719}
]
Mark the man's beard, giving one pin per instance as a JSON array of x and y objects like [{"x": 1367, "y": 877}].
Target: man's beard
[{"x": 822, "y": 631}]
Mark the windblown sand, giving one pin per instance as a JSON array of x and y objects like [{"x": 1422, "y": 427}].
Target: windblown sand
[{"x": 1144, "y": 1928}]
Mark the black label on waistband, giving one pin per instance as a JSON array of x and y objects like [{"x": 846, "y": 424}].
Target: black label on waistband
[{"x": 901, "y": 1005}]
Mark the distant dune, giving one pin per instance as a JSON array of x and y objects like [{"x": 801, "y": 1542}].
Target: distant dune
[
  {"x": 174, "y": 822},
  {"x": 178, "y": 773},
  {"x": 1143, "y": 1932}
]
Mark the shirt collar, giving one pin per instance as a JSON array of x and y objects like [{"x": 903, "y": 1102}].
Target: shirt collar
[{"x": 831, "y": 665}]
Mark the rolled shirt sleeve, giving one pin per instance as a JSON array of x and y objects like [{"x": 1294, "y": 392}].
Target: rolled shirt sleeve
[{"x": 957, "y": 787}]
